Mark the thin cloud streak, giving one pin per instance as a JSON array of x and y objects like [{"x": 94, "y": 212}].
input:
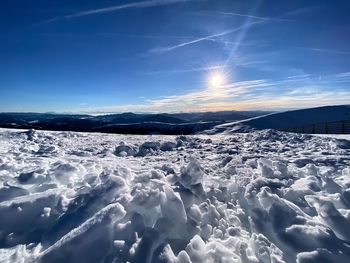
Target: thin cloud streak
[
  {"x": 249, "y": 103},
  {"x": 344, "y": 75},
  {"x": 248, "y": 25},
  {"x": 254, "y": 17},
  {"x": 329, "y": 51},
  {"x": 162, "y": 50},
  {"x": 175, "y": 71},
  {"x": 299, "y": 11},
  {"x": 323, "y": 50},
  {"x": 143, "y": 4},
  {"x": 249, "y": 95}
]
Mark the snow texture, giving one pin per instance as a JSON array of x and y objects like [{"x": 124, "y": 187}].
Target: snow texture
[{"x": 263, "y": 196}]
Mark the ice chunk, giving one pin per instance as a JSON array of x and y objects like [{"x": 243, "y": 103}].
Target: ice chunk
[
  {"x": 196, "y": 249},
  {"x": 264, "y": 250},
  {"x": 195, "y": 214},
  {"x": 125, "y": 150},
  {"x": 192, "y": 174},
  {"x": 148, "y": 148},
  {"x": 172, "y": 206},
  {"x": 265, "y": 168},
  {"x": 167, "y": 146}
]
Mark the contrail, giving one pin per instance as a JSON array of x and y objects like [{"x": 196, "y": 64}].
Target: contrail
[
  {"x": 254, "y": 17},
  {"x": 162, "y": 50},
  {"x": 143, "y": 4}
]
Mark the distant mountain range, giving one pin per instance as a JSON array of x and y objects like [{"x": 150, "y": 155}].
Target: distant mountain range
[{"x": 125, "y": 123}]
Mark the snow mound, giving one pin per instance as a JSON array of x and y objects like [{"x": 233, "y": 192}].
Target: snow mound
[
  {"x": 146, "y": 148},
  {"x": 264, "y": 196}
]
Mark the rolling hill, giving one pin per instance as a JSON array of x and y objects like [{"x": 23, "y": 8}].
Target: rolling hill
[{"x": 288, "y": 119}]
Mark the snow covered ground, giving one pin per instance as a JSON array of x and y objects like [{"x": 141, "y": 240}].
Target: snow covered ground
[
  {"x": 285, "y": 120},
  {"x": 336, "y": 136},
  {"x": 263, "y": 196}
]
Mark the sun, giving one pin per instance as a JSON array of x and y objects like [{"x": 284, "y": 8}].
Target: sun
[{"x": 216, "y": 80}]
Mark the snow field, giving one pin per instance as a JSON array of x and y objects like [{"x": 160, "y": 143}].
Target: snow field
[{"x": 263, "y": 196}]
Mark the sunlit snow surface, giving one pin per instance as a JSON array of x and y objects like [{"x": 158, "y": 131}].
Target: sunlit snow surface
[{"x": 258, "y": 197}]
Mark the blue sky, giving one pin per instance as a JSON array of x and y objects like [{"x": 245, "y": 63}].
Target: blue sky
[{"x": 100, "y": 56}]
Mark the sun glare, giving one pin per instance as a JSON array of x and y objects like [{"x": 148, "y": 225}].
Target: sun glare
[{"x": 216, "y": 80}]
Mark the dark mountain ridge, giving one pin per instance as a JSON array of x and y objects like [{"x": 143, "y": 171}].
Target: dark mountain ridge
[{"x": 134, "y": 123}]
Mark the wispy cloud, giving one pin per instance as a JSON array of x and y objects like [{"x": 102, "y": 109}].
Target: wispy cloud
[
  {"x": 344, "y": 75},
  {"x": 293, "y": 92},
  {"x": 184, "y": 38},
  {"x": 323, "y": 50},
  {"x": 254, "y": 17},
  {"x": 330, "y": 51},
  {"x": 252, "y": 20},
  {"x": 162, "y": 50},
  {"x": 281, "y": 18},
  {"x": 301, "y": 11},
  {"x": 212, "y": 37},
  {"x": 142, "y": 4},
  {"x": 175, "y": 71},
  {"x": 191, "y": 101}
]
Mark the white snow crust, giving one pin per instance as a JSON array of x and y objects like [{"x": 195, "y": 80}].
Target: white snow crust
[{"x": 264, "y": 196}]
